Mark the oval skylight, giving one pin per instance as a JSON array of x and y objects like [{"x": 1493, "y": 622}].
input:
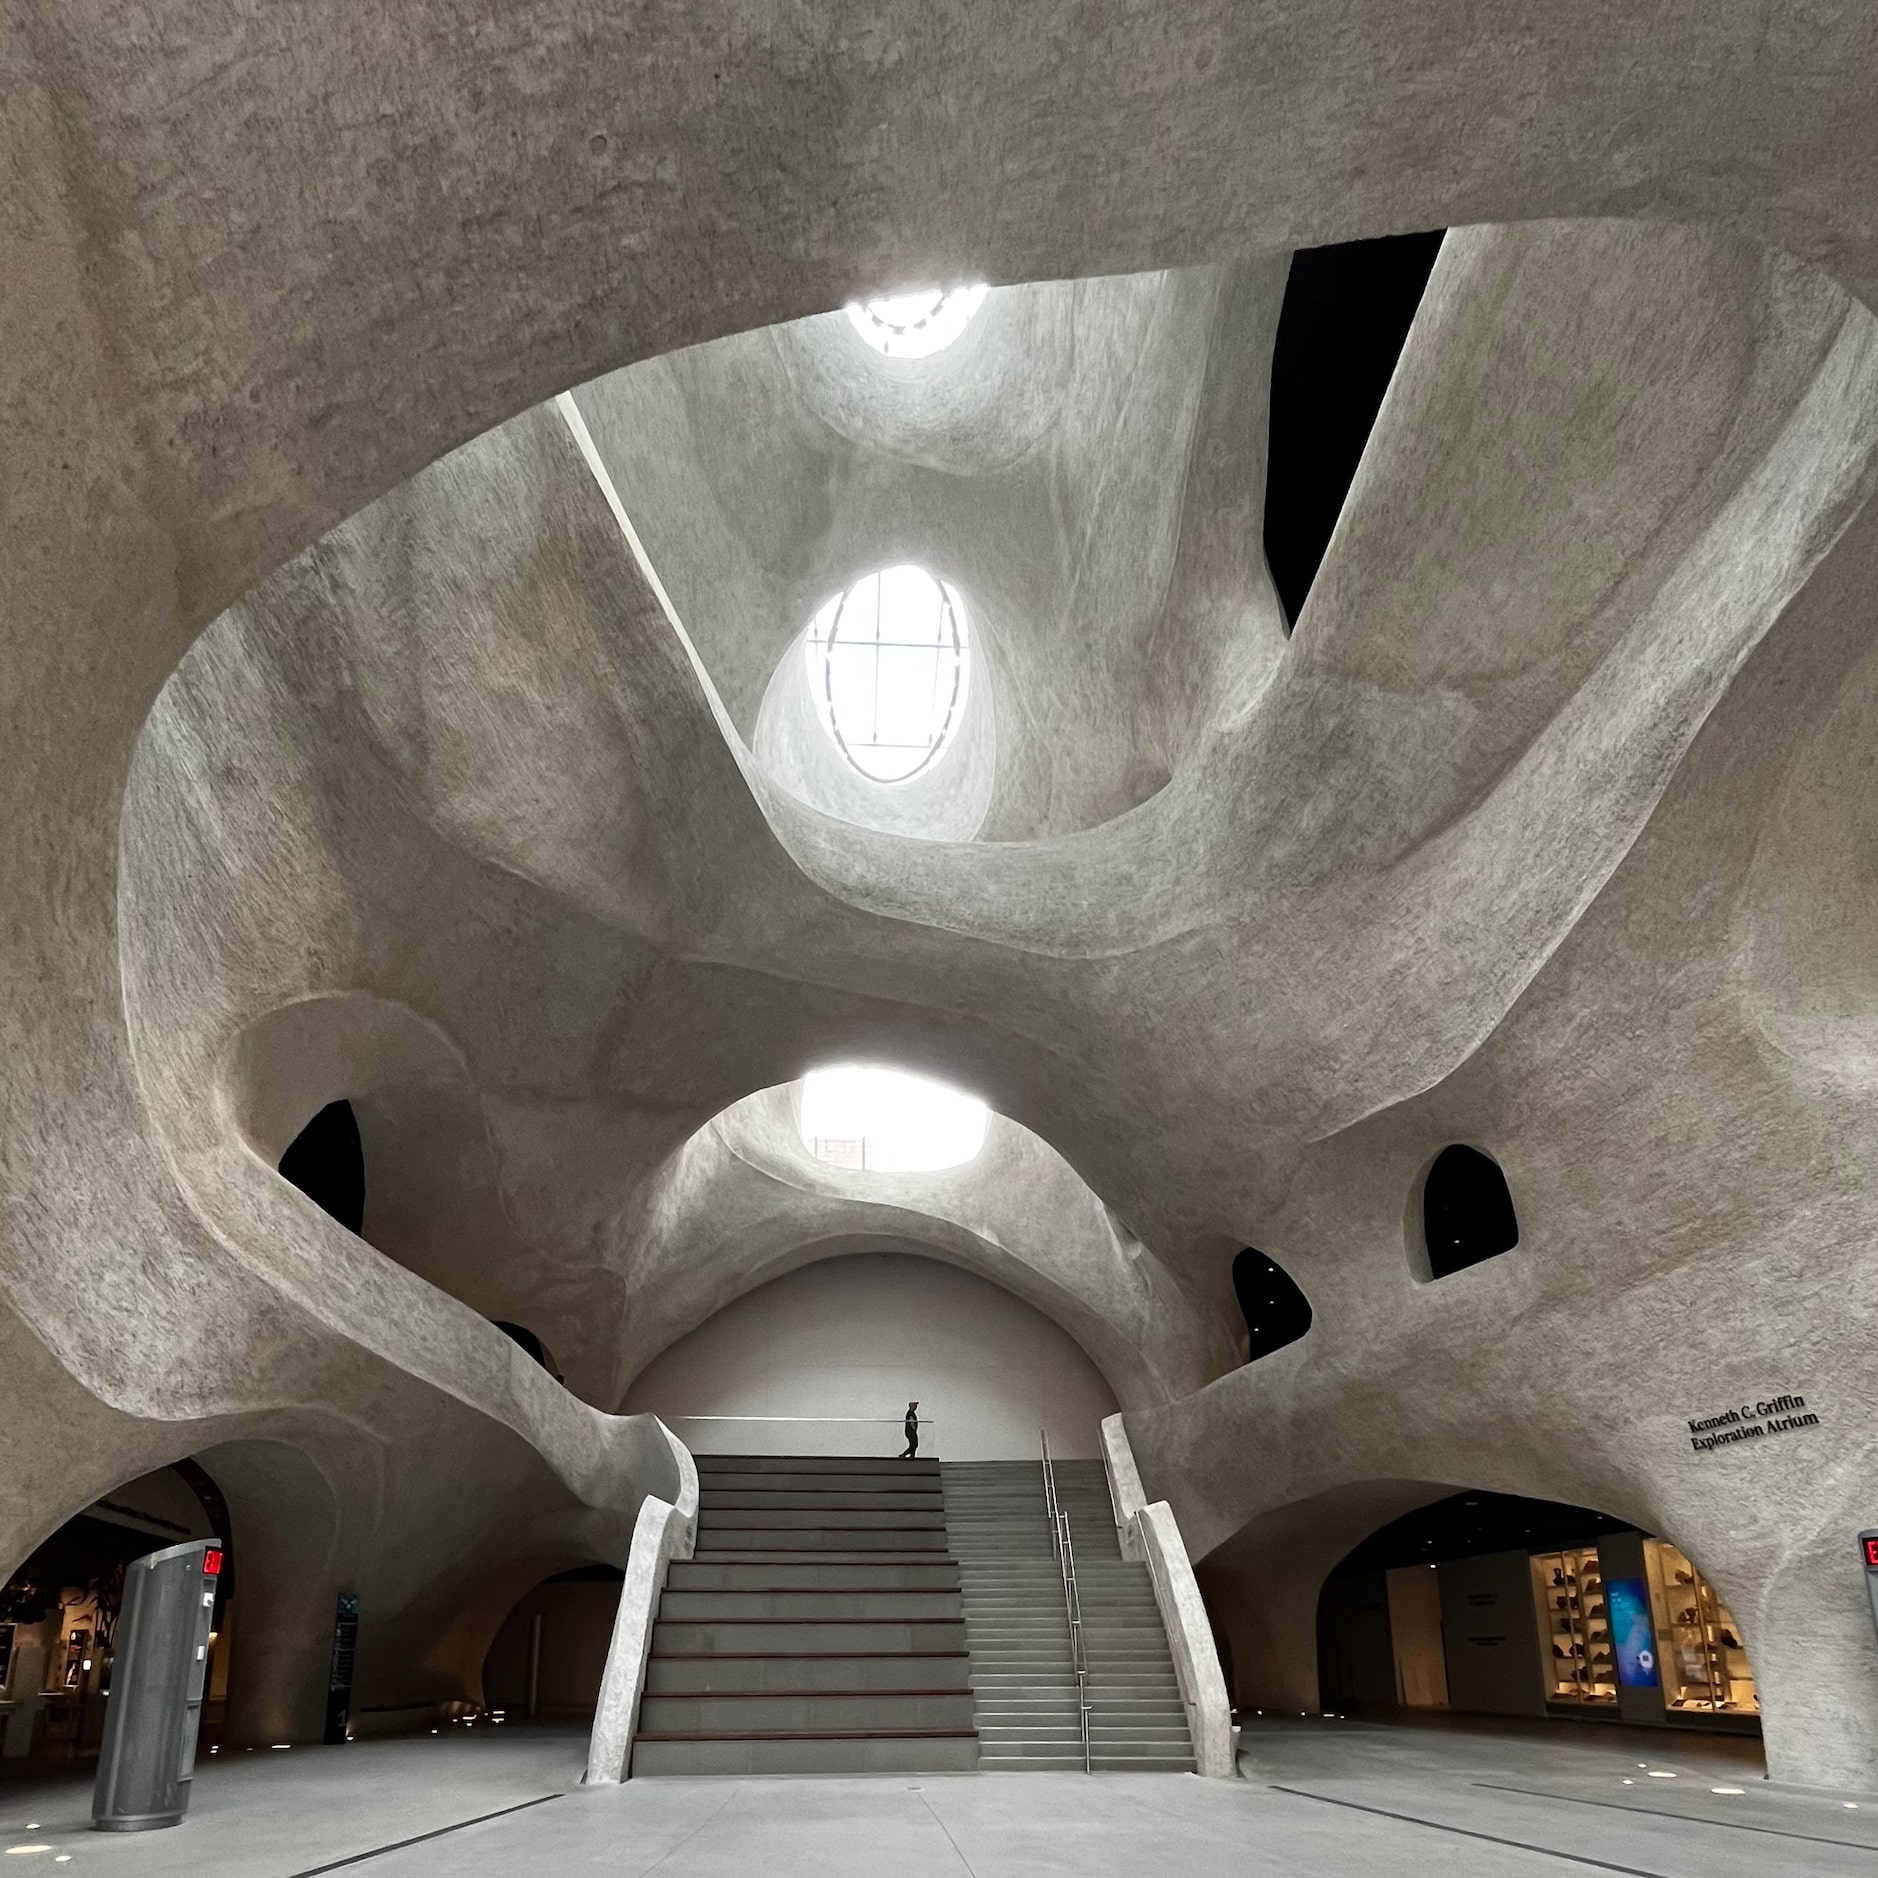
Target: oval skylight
[
  {"x": 886, "y": 1121},
  {"x": 890, "y": 664},
  {"x": 916, "y": 325}
]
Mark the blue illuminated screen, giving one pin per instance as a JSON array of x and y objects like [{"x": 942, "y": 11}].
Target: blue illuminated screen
[{"x": 1633, "y": 1636}]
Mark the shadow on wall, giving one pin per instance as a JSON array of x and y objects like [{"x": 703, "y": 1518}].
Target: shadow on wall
[
  {"x": 1493, "y": 1604},
  {"x": 546, "y": 1660}
]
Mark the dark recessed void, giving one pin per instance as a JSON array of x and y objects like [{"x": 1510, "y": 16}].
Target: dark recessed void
[
  {"x": 526, "y": 1339},
  {"x": 1276, "y": 1312},
  {"x": 89, "y": 1554},
  {"x": 1346, "y": 314},
  {"x": 1469, "y": 1525},
  {"x": 326, "y": 1161},
  {"x": 1467, "y": 1211}
]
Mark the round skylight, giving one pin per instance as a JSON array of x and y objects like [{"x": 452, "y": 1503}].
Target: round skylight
[
  {"x": 890, "y": 664},
  {"x": 888, "y": 1122},
  {"x": 916, "y": 325}
]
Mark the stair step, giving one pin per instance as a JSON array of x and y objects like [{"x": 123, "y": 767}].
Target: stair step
[
  {"x": 820, "y": 1711},
  {"x": 709, "y": 1673},
  {"x": 810, "y": 1464},
  {"x": 1012, "y": 1596}
]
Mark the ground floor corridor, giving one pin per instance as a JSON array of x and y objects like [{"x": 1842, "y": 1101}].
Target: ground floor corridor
[{"x": 1316, "y": 1799}]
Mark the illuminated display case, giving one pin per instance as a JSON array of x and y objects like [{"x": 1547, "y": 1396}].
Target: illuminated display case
[
  {"x": 1574, "y": 1628},
  {"x": 1704, "y": 1666}
]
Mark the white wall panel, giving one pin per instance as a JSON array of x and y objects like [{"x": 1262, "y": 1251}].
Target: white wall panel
[{"x": 858, "y": 1336}]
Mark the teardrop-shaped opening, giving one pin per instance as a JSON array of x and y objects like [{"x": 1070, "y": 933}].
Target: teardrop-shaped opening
[
  {"x": 1275, "y": 1310},
  {"x": 1467, "y": 1211}
]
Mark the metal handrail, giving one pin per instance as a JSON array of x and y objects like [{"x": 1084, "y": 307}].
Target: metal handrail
[{"x": 1072, "y": 1596}]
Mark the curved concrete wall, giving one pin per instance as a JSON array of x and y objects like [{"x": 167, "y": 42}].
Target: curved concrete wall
[
  {"x": 863, "y": 1334},
  {"x": 1509, "y": 842}
]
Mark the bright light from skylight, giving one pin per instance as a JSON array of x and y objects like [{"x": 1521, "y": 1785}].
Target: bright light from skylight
[
  {"x": 890, "y": 664},
  {"x": 888, "y": 1122},
  {"x": 916, "y": 325}
]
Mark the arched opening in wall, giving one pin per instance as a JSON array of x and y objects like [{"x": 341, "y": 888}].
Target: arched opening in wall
[
  {"x": 1495, "y": 1604},
  {"x": 326, "y": 1161},
  {"x": 1467, "y": 1211},
  {"x": 525, "y": 1340},
  {"x": 1275, "y": 1310},
  {"x": 1346, "y": 314},
  {"x": 59, "y": 1612},
  {"x": 546, "y": 1659}
]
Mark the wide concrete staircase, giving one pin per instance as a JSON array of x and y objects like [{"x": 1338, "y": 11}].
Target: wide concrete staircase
[
  {"x": 1022, "y": 1677},
  {"x": 817, "y": 1629}
]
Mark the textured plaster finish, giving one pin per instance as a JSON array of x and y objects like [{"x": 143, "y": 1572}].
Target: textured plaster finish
[
  {"x": 1149, "y": 1532},
  {"x": 1085, "y": 464},
  {"x": 662, "y": 1533},
  {"x": 1190, "y": 1638},
  {"x": 1124, "y": 1478},
  {"x": 1467, "y": 863}
]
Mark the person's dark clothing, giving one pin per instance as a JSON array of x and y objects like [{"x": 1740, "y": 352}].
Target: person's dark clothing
[{"x": 912, "y": 1437}]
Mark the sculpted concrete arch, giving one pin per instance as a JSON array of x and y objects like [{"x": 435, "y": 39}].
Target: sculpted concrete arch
[
  {"x": 1086, "y": 464},
  {"x": 434, "y": 1199},
  {"x": 1263, "y": 1587},
  {"x": 193, "y": 400},
  {"x": 1660, "y": 1269},
  {"x": 744, "y": 1202}
]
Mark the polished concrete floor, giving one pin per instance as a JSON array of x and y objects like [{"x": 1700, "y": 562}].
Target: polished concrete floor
[{"x": 1317, "y": 1797}]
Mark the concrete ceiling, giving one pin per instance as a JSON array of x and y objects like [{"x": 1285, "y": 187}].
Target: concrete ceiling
[{"x": 353, "y": 746}]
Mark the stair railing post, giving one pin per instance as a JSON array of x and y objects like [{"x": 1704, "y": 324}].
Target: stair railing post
[{"x": 1072, "y": 1597}]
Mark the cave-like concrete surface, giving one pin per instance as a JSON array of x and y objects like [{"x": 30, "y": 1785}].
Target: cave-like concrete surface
[{"x": 429, "y": 433}]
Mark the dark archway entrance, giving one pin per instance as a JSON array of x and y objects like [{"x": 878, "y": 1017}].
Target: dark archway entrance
[
  {"x": 545, "y": 1662},
  {"x": 1493, "y": 1604},
  {"x": 59, "y": 1610}
]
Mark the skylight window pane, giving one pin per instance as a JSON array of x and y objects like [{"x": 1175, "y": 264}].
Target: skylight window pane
[
  {"x": 889, "y": 1122},
  {"x": 916, "y": 325},
  {"x": 889, "y": 663}
]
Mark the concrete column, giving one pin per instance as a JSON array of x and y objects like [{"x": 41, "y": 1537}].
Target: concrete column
[{"x": 283, "y": 1521}]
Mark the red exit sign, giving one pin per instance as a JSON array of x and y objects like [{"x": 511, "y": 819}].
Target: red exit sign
[
  {"x": 212, "y": 1559},
  {"x": 1871, "y": 1552}
]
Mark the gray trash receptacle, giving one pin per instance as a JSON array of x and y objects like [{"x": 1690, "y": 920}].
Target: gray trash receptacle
[{"x": 157, "y": 1674}]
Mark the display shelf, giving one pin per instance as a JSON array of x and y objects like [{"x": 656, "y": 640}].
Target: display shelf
[
  {"x": 1704, "y": 1666},
  {"x": 1579, "y": 1664}
]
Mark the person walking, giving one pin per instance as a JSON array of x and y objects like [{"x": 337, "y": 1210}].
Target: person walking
[{"x": 912, "y": 1432}]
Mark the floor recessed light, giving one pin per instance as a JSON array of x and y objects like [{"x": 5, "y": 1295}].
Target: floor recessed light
[
  {"x": 1851, "y": 1806},
  {"x": 1728, "y": 1789},
  {"x": 1661, "y": 1773},
  {"x": 1628, "y": 1781}
]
